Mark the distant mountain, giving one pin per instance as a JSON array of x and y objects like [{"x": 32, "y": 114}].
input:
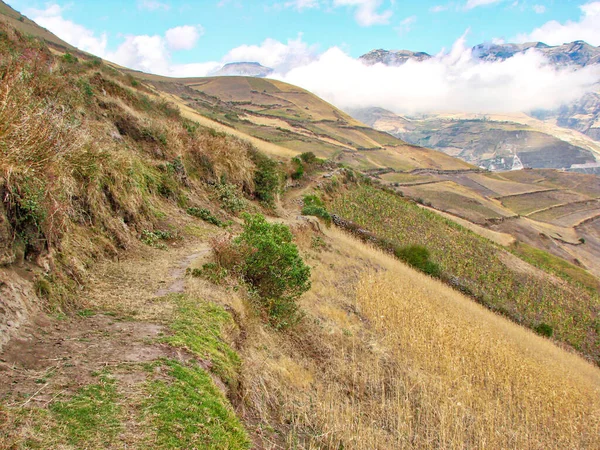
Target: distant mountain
[
  {"x": 244, "y": 69},
  {"x": 486, "y": 142},
  {"x": 582, "y": 115},
  {"x": 392, "y": 57},
  {"x": 577, "y": 53}
]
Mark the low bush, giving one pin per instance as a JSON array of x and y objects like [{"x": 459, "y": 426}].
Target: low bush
[
  {"x": 544, "y": 329},
  {"x": 298, "y": 172},
  {"x": 154, "y": 238},
  {"x": 267, "y": 178},
  {"x": 231, "y": 198},
  {"x": 269, "y": 262},
  {"x": 211, "y": 271},
  {"x": 205, "y": 215},
  {"x": 313, "y": 206},
  {"x": 417, "y": 256},
  {"x": 308, "y": 157}
]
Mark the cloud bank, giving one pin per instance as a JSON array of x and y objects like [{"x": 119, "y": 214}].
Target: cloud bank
[
  {"x": 150, "y": 53},
  {"x": 455, "y": 81},
  {"x": 587, "y": 28}
]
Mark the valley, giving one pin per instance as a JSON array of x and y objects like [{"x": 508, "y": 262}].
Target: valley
[{"x": 231, "y": 262}]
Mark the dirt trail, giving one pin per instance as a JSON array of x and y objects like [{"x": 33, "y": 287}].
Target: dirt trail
[
  {"x": 53, "y": 356},
  {"x": 178, "y": 274}
]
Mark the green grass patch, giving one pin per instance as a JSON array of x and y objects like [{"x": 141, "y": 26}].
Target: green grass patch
[
  {"x": 189, "y": 411},
  {"x": 198, "y": 326},
  {"x": 314, "y": 206},
  {"x": 206, "y": 215},
  {"x": 92, "y": 415},
  {"x": 92, "y": 418},
  {"x": 556, "y": 265}
]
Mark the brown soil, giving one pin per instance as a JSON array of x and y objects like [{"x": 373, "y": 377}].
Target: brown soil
[{"x": 54, "y": 355}]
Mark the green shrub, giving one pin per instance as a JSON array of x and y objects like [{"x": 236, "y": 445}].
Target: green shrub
[
  {"x": 313, "y": 206},
  {"x": 544, "y": 329},
  {"x": 273, "y": 268},
  {"x": 231, "y": 198},
  {"x": 308, "y": 157},
  {"x": 299, "y": 171},
  {"x": 205, "y": 215},
  {"x": 70, "y": 59},
  {"x": 153, "y": 238},
  {"x": 210, "y": 271},
  {"x": 267, "y": 178},
  {"x": 417, "y": 256}
]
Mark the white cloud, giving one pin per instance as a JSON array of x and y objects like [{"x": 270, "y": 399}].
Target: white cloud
[
  {"x": 539, "y": 9},
  {"x": 153, "y": 5},
  {"x": 366, "y": 13},
  {"x": 184, "y": 37},
  {"x": 301, "y": 5},
  {"x": 194, "y": 70},
  {"x": 555, "y": 33},
  {"x": 274, "y": 54},
  {"x": 448, "y": 82},
  {"x": 76, "y": 35},
  {"x": 406, "y": 25},
  {"x": 147, "y": 53},
  {"x": 438, "y": 8},
  {"x": 475, "y": 3}
]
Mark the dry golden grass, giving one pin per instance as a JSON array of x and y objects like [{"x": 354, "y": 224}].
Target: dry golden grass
[{"x": 389, "y": 358}]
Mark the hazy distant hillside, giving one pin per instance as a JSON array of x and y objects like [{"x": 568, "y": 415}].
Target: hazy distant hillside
[
  {"x": 393, "y": 57},
  {"x": 485, "y": 143},
  {"x": 582, "y": 115},
  {"x": 577, "y": 53},
  {"x": 244, "y": 69}
]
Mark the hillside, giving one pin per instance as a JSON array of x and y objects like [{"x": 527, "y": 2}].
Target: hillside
[
  {"x": 296, "y": 120},
  {"x": 489, "y": 141},
  {"x": 172, "y": 279},
  {"x": 582, "y": 115}
]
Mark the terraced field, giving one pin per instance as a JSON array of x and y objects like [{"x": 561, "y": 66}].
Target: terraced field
[
  {"x": 498, "y": 279},
  {"x": 526, "y": 204},
  {"x": 569, "y": 215},
  {"x": 456, "y": 199}
]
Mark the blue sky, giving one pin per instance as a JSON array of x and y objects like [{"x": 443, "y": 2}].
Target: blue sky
[
  {"x": 314, "y": 44},
  {"x": 356, "y": 26}
]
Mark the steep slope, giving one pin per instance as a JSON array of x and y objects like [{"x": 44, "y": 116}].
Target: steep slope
[
  {"x": 488, "y": 142},
  {"x": 110, "y": 194},
  {"x": 28, "y": 27}
]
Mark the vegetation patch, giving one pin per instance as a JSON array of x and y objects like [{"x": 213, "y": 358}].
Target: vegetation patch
[
  {"x": 556, "y": 265},
  {"x": 205, "y": 215},
  {"x": 269, "y": 262},
  {"x": 473, "y": 264},
  {"x": 92, "y": 418},
  {"x": 198, "y": 326},
  {"x": 267, "y": 178},
  {"x": 155, "y": 238},
  {"x": 231, "y": 198},
  {"x": 417, "y": 256},
  {"x": 189, "y": 411},
  {"x": 314, "y": 206}
]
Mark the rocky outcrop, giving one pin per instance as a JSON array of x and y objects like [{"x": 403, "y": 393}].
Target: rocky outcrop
[{"x": 392, "y": 57}]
